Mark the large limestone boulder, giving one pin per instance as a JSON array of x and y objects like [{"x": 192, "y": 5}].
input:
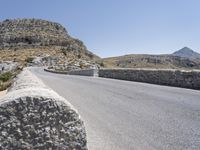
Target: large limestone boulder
[{"x": 32, "y": 116}]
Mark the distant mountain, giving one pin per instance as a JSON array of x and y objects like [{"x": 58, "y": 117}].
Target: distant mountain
[
  {"x": 151, "y": 61},
  {"x": 182, "y": 59},
  {"x": 187, "y": 53}
]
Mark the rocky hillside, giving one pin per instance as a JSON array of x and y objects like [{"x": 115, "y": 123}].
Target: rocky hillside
[
  {"x": 23, "y": 40},
  {"x": 187, "y": 53},
  {"x": 151, "y": 61},
  {"x": 31, "y": 32}
]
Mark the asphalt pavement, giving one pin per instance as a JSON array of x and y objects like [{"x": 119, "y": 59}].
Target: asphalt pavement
[{"x": 124, "y": 115}]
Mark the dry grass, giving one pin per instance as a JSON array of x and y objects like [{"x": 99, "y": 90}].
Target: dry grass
[
  {"x": 5, "y": 85},
  {"x": 6, "y": 79},
  {"x": 21, "y": 55}
]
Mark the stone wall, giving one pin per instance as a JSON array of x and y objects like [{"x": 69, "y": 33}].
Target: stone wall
[
  {"x": 55, "y": 71},
  {"x": 32, "y": 116},
  {"x": 85, "y": 72},
  {"x": 185, "y": 79}
]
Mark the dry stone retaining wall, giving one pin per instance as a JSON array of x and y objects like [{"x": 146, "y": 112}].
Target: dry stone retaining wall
[
  {"x": 32, "y": 116},
  {"x": 54, "y": 71},
  {"x": 185, "y": 79},
  {"x": 84, "y": 72}
]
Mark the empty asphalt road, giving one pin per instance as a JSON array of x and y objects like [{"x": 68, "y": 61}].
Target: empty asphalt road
[{"x": 123, "y": 115}]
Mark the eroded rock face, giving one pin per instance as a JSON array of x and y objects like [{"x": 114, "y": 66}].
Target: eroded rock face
[
  {"x": 31, "y": 32},
  {"x": 46, "y": 61},
  {"x": 36, "y": 33},
  {"x": 35, "y": 117}
]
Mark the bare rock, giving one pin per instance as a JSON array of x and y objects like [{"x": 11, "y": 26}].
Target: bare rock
[{"x": 33, "y": 116}]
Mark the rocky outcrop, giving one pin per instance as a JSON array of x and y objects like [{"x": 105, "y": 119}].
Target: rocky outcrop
[
  {"x": 36, "y": 33},
  {"x": 32, "y": 116},
  {"x": 46, "y": 61},
  {"x": 7, "y": 66},
  {"x": 31, "y": 32}
]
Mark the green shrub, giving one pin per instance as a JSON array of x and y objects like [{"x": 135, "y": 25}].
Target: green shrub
[
  {"x": 5, "y": 76},
  {"x": 64, "y": 51},
  {"x": 79, "y": 56},
  {"x": 82, "y": 66},
  {"x": 102, "y": 64},
  {"x": 29, "y": 59}
]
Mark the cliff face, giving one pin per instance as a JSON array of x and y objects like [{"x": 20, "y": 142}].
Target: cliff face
[
  {"x": 24, "y": 38},
  {"x": 33, "y": 33}
]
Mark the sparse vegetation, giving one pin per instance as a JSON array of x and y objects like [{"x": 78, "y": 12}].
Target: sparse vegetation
[
  {"x": 81, "y": 66},
  {"x": 102, "y": 64},
  {"x": 29, "y": 59},
  {"x": 36, "y": 34},
  {"x": 64, "y": 51},
  {"x": 4, "y": 86},
  {"x": 5, "y": 80},
  {"x": 151, "y": 61},
  {"x": 79, "y": 56},
  {"x": 6, "y": 76},
  {"x": 40, "y": 38}
]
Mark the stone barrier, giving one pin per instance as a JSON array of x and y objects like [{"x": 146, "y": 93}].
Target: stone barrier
[
  {"x": 185, "y": 79},
  {"x": 55, "y": 71},
  {"x": 32, "y": 116},
  {"x": 84, "y": 72}
]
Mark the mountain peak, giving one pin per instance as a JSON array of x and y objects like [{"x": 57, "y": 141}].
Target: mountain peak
[
  {"x": 187, "y": 53},
  {"x": 186, "y": 49}
]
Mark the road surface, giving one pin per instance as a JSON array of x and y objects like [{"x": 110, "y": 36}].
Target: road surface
[{"x": 123, "y": 115}]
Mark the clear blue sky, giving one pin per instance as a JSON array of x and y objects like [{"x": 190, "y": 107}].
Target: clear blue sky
[{"x": 117, "y": 27}]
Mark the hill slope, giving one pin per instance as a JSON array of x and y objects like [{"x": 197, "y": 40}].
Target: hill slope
[
  {"x": 152, "y": 61},
  {"x": 187, "y": 53},
  {"x": 22, "y": 39}
]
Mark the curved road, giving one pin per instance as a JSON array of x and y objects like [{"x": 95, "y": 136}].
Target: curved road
[{"x": 123, "y": 115}]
